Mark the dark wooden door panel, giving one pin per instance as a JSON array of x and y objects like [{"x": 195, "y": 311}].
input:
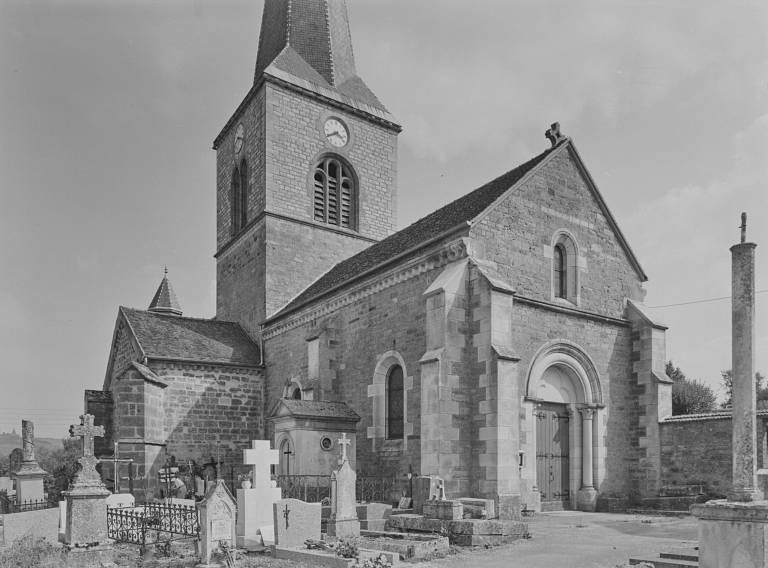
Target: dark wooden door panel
[{"x": 552, "y": 455}]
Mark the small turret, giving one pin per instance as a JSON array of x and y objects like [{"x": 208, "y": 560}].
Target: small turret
[{"x": 164, "y": 300}]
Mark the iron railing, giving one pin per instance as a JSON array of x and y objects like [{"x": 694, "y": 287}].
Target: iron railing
[
  {"x": 9, "y": 505},
  {"x": 152, "y": 523},
  {"x": 316, "y": 488}
]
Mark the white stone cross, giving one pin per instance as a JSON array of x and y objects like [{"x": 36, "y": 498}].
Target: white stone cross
[
  {"x": 344, "y": 441},
  {"x": 260, "y": 456}
]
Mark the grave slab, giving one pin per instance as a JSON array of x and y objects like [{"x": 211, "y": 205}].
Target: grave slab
[
  {"x": 295, "y": 521},
  {"x": 478, "y": 508},
  {"x": 443, "y": 510},
  {"x": 120, "y": 501}
]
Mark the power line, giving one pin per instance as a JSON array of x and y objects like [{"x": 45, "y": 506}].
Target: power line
[{"x": 701, "y": 301}]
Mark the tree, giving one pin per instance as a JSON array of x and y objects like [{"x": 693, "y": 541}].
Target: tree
[
  {"x": 61, "y": 465},
  {"x": 760, "y": 387},
  {"x": 689, "y": 396}
]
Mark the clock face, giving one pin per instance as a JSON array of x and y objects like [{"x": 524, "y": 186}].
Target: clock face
[
  {"x": 239, "y": 137},
  {"x": 335, "y": 132}
]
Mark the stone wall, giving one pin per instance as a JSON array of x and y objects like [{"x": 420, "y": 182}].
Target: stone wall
[
  {"x": 193, "y": 410},
  {"x": 277, "y": 256},
  {"x": 40, "y": 524},
  {"x": 697, "y": 450}
]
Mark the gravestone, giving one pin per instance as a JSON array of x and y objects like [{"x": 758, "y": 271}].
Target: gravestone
[
  {"x": 120, "y": 501},
  {"x": 29, "y": 477},
  {"x": 217, "y": 521},
  {"x": 86, "y": 523},
  {"x": 295, "y": 521},
  {"x": 15, "y": 459},
  {"x": 254, "y": 504},
  {"x": 343, "y": 521},
  {"x": 425, "y": 488}
]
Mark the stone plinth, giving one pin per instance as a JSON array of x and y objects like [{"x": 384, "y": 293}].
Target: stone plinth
[
  {"x": 732, "y": 534},
  {"x": 444, "y": 510},
  {"x": 86, "y": 519},
  {"x": 254, "y": 511},
  {"x": 478, "y": 508},
  {"x": 586, "y": 499},
  {"x": 29, "y": 483},
  {"x": 465, "y": 532}
]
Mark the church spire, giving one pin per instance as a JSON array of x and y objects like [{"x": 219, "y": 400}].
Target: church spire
[
  {"x": 316, "y": 30},
  {"x": 164, "y": 300}
]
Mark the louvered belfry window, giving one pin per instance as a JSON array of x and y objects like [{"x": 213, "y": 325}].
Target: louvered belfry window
[{"x": 334, "y": 193}]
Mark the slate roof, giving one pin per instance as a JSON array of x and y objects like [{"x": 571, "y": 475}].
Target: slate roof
[
  {"x": 164, "y": 300},
  {"x": 318, "y": 409},
  {"x": 205, "y": 340},
  {"x": 463, "y": 210}
]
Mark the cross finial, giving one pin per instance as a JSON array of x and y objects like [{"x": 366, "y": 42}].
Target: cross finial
[
  {"x": 743, "y": 227},
  {"x": 165, "y": 270},
  {"x": 344, "y": 442},
  {"x": 553, "y": 134},
  {"x": 88, "y": 432}
]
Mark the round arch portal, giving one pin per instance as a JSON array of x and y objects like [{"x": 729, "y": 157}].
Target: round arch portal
[{"x": 564, "y": 391}]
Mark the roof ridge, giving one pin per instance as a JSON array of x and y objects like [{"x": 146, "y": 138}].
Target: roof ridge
[
  {"x": 462, "y": 208},
  {"x": 172, "y": 317}
]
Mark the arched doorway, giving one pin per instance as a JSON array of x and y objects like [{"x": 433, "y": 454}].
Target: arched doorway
[{"x": 564, "y": 389}]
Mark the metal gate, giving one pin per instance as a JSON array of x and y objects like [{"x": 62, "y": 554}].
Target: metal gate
[
  {"x": 153, "y": 523},
  {"x": 552, "y": 463}
]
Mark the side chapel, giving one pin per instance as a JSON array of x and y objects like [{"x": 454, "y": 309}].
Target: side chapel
[{"x": 499, "y": 342}]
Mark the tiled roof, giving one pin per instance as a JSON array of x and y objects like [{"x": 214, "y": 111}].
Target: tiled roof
[
  {"x": 175, "y": 337},
  {"x": 164, "y": 300},
  {"x": 463, "y": 210},
  {"x": 319, "y": 409}
]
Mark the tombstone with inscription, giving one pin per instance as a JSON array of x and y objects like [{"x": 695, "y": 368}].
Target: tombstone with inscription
[
  {"x": 86, "y": 509},
  {"x": 343, "y": 521},
  {"x": 254, "y": 503},
  {"x": 217, "y": 521},
  {"x": 295, "y": 521},
  {"x": 29, "y": 477},
  {"x": 15, "y": 459}
]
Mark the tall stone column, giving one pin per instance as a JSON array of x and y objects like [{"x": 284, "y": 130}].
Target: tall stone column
[{"x": 743, "y": 370}]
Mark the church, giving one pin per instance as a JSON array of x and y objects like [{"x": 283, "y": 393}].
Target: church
[{"x": 500, "y": 342}]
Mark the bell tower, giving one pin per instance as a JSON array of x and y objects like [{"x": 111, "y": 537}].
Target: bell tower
[{"x": 306, "y": 167}]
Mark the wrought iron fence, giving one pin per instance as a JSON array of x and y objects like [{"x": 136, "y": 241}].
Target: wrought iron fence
[
  {"x": 9, "y": 505},
  {"x": 152, "y": 523},
  {"x": 315, "y": 488}
]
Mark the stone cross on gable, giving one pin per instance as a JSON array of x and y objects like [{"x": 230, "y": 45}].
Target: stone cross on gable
[
  {"x": 88, "y": 432},
  {"x": 260, "y": 457},
  {"x": 344, "y": 442}
]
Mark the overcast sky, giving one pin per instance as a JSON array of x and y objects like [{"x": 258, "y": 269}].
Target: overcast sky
[{"x": 108, "y": 110}]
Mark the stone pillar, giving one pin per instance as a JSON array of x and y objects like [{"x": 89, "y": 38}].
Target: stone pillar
[
  {"x": 586, "y": 499},
  {"x": 586, "y": 447},
  {"x": 743, "y": 365},
  {"x": 29, "y": 478}
]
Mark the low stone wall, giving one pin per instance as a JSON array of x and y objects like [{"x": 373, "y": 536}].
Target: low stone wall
[
  {"x": 42, "y": 523},
  {"x": 696, "y": 450}
]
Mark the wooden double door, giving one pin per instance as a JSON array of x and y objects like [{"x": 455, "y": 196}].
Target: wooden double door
[{"x": 552, "y": 456}]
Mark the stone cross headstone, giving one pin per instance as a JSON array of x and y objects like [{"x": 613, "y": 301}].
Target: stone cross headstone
[
  {"x": 295, "y": 521},
  {"x": 29, "y": 477},
  {"x": 254, "y": 504},
  {"x": 343, "y": 521},
  {"x": 87, "y": 495},
  {"x": 217, "y": 520}
]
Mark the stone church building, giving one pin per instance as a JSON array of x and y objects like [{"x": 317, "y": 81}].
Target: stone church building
[{"x": 499, "y": 342}]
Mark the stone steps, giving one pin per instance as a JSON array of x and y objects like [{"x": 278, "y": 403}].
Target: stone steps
[{"x": 685, "y": 558}]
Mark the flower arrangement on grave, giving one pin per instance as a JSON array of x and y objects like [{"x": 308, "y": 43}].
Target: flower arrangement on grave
[
  {"x": 245, "y": 479},
  {"x": 380, "y": 561},
  {"x": 347, "y": 547}
]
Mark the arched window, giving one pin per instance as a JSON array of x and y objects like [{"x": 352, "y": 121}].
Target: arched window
[
  {"x": 335, "y": 194},
  {"x": 284, "y": 457},
  {"x": 395, "y": 403},
  {"x": 239, "y": 198},
  {"x": 560, "y": 272},
  {"x": 565, "y": 268}
]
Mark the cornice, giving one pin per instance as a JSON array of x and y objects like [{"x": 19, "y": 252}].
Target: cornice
[
  {"x": 571, "y": 311},
  {"x": 429, "y": 260}
]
